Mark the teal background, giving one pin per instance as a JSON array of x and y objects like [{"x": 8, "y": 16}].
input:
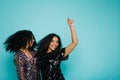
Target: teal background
[{"x": 97, "y": 24}]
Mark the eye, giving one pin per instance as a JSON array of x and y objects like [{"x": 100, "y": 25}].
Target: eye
[{"x": 52, "y": 41}]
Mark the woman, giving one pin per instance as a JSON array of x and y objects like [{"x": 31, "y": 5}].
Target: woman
[
  {"x": 50, "y": 54},
  {"x": 22, "y": 43}
]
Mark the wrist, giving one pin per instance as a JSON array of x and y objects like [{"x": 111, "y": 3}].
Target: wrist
[{"x": 71, "y": 25}]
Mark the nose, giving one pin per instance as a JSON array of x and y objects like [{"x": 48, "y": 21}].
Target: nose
[{"x": 33, "y": 40}]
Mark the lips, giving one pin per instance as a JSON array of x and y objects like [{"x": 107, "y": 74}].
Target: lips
[{"x": 53, "y": 47}]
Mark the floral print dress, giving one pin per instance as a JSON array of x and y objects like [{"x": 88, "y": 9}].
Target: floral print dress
[{"x": 26, "y": 67}]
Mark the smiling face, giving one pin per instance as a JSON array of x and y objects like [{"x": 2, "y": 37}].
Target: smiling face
[{"x": 53, "y": 44}]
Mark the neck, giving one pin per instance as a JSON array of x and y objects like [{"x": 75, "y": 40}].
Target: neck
[
  {"x": 49, "y": 50},
  {"x": 26, "y": 52}
]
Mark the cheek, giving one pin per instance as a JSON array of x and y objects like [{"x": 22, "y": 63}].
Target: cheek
[{"x": 57, "y": 44}]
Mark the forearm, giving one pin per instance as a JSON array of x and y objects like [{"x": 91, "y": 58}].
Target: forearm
[
  {"x": 73, "y": 35},
  {"x": 20, "y": 68}
]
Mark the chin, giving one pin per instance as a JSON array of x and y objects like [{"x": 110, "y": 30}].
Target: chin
[{"x": 53, "y": 50}]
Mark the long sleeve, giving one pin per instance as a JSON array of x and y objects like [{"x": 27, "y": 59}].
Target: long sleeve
[{"x": 19, "y": 62}]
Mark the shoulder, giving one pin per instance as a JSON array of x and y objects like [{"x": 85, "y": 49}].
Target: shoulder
[
  {"x": 19, "y": 55},
  {"x": 62, "y": 53},
  {"x": 62, "y": 50}
]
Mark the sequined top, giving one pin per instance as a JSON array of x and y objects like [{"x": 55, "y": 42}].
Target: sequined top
[
  {"x": 50, "y": 65},
  {"x": 26, "y": 67}
]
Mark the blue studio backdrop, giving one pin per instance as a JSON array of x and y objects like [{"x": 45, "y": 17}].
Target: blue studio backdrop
[{"x": 97, "y": 24}]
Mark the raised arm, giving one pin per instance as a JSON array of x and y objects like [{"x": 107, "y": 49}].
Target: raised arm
[{"x": 74, "y": 42}]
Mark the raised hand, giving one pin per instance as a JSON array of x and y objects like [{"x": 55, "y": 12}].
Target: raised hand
[{"x": 70, "y": 22}]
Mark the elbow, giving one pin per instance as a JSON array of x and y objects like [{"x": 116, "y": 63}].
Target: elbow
[{"x": 76, "y": 42}]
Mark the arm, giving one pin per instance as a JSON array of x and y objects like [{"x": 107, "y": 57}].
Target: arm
[
  {"x": 20, "y": 67},
  {"x": 74, "y": 42}
]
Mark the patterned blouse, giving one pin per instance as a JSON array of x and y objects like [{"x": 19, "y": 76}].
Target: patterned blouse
[
  {"x": 26, "y": 68},
  {"x": 50, "y": 65}
]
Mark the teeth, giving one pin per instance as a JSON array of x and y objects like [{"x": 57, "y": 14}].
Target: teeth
[{"x": 54, "y": 46}]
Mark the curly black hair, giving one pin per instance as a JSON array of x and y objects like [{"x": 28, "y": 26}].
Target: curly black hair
[{"x": 19, "y": 40}]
